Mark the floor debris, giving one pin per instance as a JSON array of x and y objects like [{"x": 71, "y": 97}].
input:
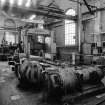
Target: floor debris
[{"x": 15, "y": 97}]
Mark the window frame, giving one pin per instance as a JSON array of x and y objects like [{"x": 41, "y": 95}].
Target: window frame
[{"x": 67, "y": 33}]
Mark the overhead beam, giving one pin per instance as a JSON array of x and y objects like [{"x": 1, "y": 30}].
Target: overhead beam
[
  {"x": 53, "y": 23},
  {"x": 98, "y": 9},
  {"x": 82, "y": 3},
  {"x": 43, "y": 10},
  {"x": 51, "y": 3},
  {"x": 88, "y": 6}
]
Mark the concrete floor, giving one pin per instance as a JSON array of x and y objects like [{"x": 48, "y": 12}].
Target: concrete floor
[{"x": 12, "y": 93}]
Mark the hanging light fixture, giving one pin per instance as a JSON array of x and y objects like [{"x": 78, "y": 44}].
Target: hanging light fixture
[
  {"x": 11, "y": 2},
  {"x": 28, "y": 3},
  {"x": 2, "y": 2},
  {"x": 20, "y": 2},
  {"x": 32, "y": 17}
]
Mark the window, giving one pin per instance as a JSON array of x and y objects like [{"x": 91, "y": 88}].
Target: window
[
  {"x": 70, "y": 29},
  {"x": 10, "y": 37}
]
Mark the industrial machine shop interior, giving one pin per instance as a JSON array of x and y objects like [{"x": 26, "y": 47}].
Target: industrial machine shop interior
[{"x": 52, "y": 52}]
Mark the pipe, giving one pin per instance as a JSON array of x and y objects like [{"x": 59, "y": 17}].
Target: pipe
[{"x": 79, "y": 25}]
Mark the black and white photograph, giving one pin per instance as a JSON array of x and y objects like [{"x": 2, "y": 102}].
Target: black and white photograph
[{"x": 52, "y": 52}]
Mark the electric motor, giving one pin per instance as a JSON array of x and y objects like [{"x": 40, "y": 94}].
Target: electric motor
[
  {"x": 90, "y": 74},
  {"x": 67, "y": 80},
  {"x": 60, "y": 81},
  {"x": 52, "y": 81},
  {"x": 30, "y": 71}
]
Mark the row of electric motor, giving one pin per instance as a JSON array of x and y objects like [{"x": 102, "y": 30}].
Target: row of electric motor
[{"x": 57, "y": 79}]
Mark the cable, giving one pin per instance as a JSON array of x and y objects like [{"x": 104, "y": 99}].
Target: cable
[
  {"x": 88, "y": 6},
  {"x": 83, "y": 3}
]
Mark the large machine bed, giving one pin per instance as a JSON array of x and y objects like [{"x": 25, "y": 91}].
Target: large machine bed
[{"x": 86, "y": 92}]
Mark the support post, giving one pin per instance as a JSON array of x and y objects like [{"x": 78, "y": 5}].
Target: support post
[
  {"x": 19, "y": 36},
  {"x": 53, "y": 46},
  {"x": 79, "y": 24},
  {"x": 26, "y": 44}
]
